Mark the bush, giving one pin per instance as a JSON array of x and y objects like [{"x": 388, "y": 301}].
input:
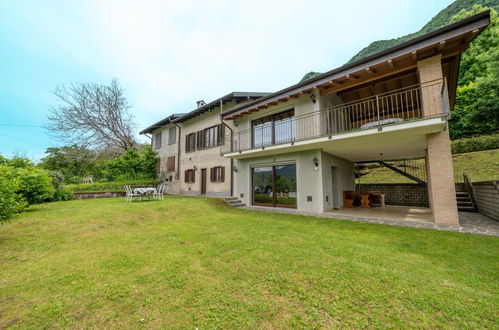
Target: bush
[
  {"x": 110, "y": 186},
  {"x": 62, "y": 194},
  {"x": 36, "y": 185},
  {"x": 11, "y": 202},
  {"x": 132, "y": 165},
  {"x": 476, "y": 143}
]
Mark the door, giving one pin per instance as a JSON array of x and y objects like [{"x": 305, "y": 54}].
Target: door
[
  {"x": 203, "y": 181},
  {"x": 275, "y": 186}
]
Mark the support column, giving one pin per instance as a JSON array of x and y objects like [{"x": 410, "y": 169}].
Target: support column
[
  {"x": 440, "y": 174},
  {"x": 440, "y": 170}
]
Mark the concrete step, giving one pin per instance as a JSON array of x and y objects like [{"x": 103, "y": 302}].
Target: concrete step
[
  {"x": 238, "y": 205},
  {"x": 461, "y": 193},
  {"x": 466, "y": 209},
  {"x": 464, "y": 203},
  {"x": 231, "y": 199},
  {"x": 231, "y": 202},
  {"x": 463, "y": 198}
]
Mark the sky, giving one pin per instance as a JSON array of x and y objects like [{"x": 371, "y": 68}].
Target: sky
[{"x": 167, "y": 55}]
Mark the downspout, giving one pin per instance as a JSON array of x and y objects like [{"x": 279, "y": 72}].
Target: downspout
[
  {"x": 231, "y": 160},
  {"x": 178, "y": 151}
]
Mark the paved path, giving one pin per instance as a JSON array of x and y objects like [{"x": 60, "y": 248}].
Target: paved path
[{"x": 471, "y": 223}]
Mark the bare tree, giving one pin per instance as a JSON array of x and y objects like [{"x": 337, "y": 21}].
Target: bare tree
[{"x": 92, "y": 115}]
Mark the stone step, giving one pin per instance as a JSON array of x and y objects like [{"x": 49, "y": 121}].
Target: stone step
[
  {"x": 463, "y": 198},
  {"x": 464, "y": 203},
  {"x": 231, "y": 198},
  {"x": 232, "y": 202},
  {"x": 461, "y": 193}
]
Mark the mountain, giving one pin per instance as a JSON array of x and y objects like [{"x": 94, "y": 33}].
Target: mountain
[{"x": 440, "y": 20}]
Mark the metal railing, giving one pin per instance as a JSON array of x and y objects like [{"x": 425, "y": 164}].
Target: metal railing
[{"x": 372, "y": 112}]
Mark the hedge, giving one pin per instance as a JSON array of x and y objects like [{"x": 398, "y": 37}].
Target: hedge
[
  {"x": 109, "y": 186},
  {"x": 476, "y": 143}
]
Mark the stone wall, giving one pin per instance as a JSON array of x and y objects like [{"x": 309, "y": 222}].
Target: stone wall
[
  {"x": 403, "y": 194},
  {"x": 487, "y": 198},
  {"x": 98, "y": 195}
]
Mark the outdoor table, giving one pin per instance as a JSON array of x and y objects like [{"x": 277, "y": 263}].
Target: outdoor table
[{"x": 145, "y": 191}]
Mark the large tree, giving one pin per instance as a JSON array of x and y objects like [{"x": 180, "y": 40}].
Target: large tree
[{"x": 92, "y": 115}]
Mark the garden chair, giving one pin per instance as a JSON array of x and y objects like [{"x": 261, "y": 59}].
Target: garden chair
[
  {"x": 130, "y": 194},
  {"x": 159, "y": 192}
]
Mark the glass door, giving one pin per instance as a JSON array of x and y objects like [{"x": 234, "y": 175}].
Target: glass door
[
  {"x": 275, "y": 186},
  {"x": 262, "y": 186}
]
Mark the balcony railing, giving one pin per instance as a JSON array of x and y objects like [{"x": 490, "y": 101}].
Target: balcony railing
[{"x": 371, "y": 112}]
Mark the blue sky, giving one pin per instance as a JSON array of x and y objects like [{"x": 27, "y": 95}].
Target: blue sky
[{"x": 169, "y": 54}]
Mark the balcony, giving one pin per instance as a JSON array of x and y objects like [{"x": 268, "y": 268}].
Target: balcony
[{"x": 371, "y": 114}]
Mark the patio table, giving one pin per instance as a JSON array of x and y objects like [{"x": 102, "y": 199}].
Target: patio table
[{"x": 144, "y": 191}]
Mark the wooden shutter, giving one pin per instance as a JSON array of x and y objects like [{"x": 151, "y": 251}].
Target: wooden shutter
[
  {"x": 193, "y": 176},
  {"x": 170, "y": 164},
  {"x": 212, "y": 174},
  {"x": 222, "y": 174},
  {"x": 186, "y": 173}
]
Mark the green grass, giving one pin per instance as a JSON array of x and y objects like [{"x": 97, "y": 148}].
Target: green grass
[
  {"x": 479, "y": 165},
  {"x": 196, "y": 263}
]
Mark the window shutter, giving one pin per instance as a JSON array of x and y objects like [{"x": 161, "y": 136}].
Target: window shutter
[
  {"x": 186, "y": 173},
  {"x": 222, "y": 174},
  {"x": 212, "y": 174},
  {"x": 193, "y": 176}
]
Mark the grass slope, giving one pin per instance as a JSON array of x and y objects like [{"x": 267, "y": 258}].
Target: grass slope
[
  {"x": 479, "y": 165},
  {"x": 194, "y": 262}
]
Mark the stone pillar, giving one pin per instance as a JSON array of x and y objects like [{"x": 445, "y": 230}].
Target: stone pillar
[{"x": 431, "y": 81}]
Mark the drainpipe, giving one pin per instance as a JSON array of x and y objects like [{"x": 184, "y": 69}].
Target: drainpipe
[
  {"x": 178, "y": 152},
  {"x": 231, "y": 160}
]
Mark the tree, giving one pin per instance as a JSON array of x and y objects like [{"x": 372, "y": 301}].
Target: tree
[
  {"x": 477, "y": 98},
  {"x": 92, "y": 115},
  {"x": 71, "y": 161}
]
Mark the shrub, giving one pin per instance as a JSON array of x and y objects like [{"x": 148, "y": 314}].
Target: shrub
[
  {"x": 476, "y": 143},
  {"x": 11, "y": 202},
  {"x": 36, "y": 185}
]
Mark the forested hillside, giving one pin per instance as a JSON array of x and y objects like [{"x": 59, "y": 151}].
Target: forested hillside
[{"x": 441, "y": 19}]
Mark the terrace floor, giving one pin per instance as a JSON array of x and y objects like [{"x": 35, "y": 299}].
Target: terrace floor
[{"x": 416, "y": 217}]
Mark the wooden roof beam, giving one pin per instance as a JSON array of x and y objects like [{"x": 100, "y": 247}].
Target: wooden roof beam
[{"x": 369, "y": 70}]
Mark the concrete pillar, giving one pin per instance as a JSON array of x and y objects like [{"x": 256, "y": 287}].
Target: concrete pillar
[
  {"x": 431, "y": 80},
  {"x": 440, "y": 174}
]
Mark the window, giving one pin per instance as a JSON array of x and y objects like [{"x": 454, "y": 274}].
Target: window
[
  {"x": 217, "y": 174},
  {"x": 190, "y": 142},
  {"x": 157, "y": 140},
  {"x": 172, "y": 135},
  {"x": 190, "y": 176},
  {"x": 274, "y": 129},
  {"x": 170, "y": 163}
]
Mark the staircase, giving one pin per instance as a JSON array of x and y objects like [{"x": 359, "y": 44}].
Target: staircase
[
  {"x": 464, "y": 202},
  {"x": 234, "y": 202}
]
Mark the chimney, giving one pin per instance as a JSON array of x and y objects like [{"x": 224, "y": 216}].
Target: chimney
[{"x": 200, "y": 103}]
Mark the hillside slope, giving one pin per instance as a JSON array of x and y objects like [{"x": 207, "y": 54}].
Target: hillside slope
[{"x": 441, "y": 19}]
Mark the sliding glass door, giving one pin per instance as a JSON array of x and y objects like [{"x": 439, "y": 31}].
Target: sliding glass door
[{"x": 275, "y": 186}]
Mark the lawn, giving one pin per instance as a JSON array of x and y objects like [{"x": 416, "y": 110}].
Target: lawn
[
  {"x": 196, "y": 263},
  {"x": 479, "y": 165}
]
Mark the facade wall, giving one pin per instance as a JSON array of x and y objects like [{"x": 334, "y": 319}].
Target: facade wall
[
  {"x": 203, "y": 159},
  {"x": 166, "y": 150},
  {"x": 313, "y": 183}
]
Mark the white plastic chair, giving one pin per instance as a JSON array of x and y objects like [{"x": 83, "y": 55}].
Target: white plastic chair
[
  {"x": 158, "y": 193},
  {"x": 130, "y": 194}
]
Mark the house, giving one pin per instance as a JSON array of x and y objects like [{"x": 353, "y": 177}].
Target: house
[
  {"x": 188, "y": 145},
  {"x": 298, "y": 147}
]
